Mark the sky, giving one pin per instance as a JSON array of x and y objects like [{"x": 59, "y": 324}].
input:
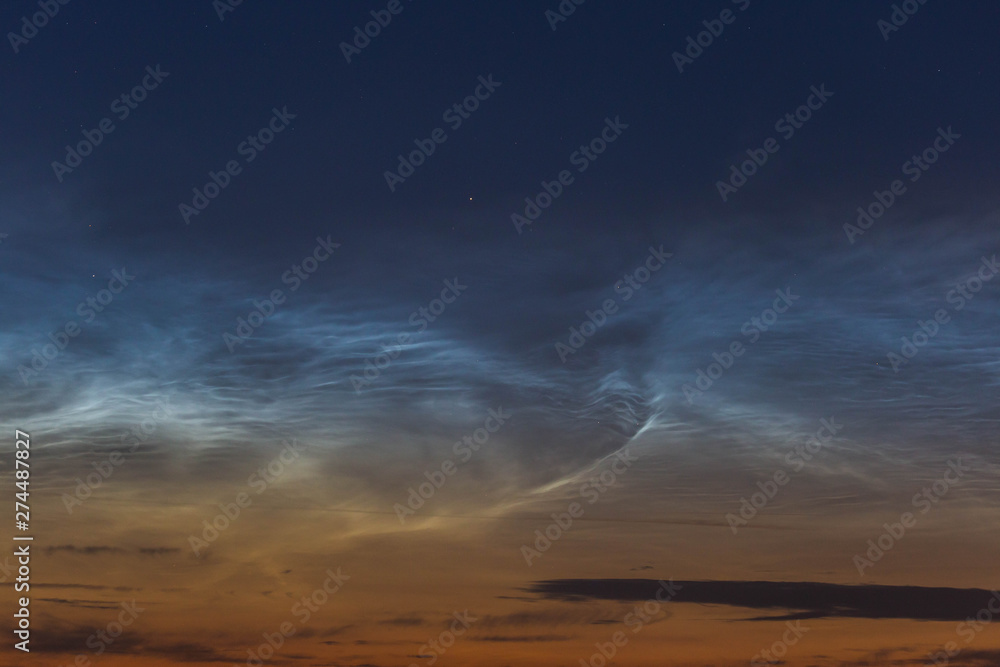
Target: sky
[{"x": 579, "y": 333}]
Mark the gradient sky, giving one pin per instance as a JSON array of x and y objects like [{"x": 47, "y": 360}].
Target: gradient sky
[{"x": 478, "y": 393}]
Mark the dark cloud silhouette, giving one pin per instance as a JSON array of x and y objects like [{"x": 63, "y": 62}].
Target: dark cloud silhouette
[
  {"x": 84, "y": 551},
  {"x": 800, "y": 599},
  {"x": 546, "y": 617},
  {"x": 158, "y": 551},
  {"x": 404, "y": 621},
  {"x": 910, "y": 657},
  {"x": 95, "y": 587},
  {"x": 99, "y": 550},
  {"x": 530, "y": 639},
  {"x": 85, "y": 604}
]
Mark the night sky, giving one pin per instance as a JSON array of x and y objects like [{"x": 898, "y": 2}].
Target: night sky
[{"x": 521, "y": 334}]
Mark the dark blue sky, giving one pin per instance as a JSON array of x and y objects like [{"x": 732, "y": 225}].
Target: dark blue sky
[{"x": 678, "y": 135}]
